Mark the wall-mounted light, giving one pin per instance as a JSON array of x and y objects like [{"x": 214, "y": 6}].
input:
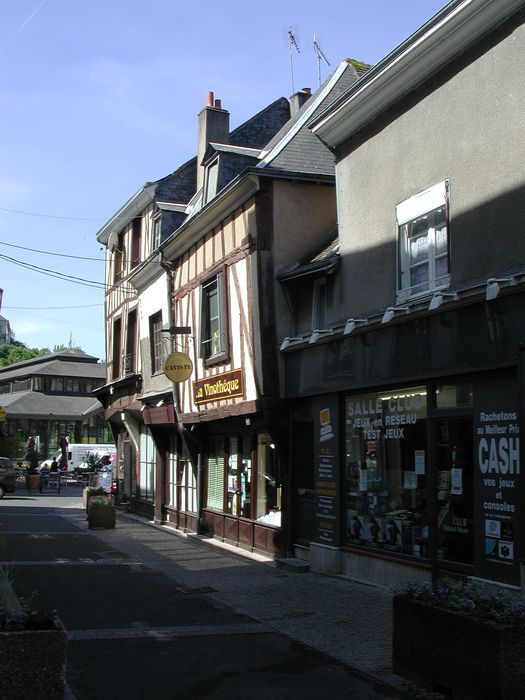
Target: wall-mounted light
[
  {"x": 122, "y": 416},
  {"x": 493, "y": 286},
  {"x": 392, "y": 311},
  {"x": 160, "y": 403},
  {"x": 318, "y": 332},
  {"x": 286, "y": 342},
  {"x": 353, "y": 323},
  {"x": 439, "y": 298}
]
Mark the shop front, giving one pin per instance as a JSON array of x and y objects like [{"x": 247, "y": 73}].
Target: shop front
[
  {"x": 224, "y": 479},
  {"x": 243, "y": 490},
  {"x": 413, "y": 479},
  {"x": 432, "y": 475}
]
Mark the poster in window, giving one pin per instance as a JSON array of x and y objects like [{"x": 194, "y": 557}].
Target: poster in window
[{"x": 456, "y": 481}]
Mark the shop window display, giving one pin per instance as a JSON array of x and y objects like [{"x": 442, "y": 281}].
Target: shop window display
[
  {"x": 455, "y": 490},
  {"x": 386, "y": 471},
  {"x": 269, "y": 487},
  {"x": 239, "y": 478}
]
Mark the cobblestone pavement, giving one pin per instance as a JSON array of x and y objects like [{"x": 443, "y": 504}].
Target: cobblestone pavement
[{"x": 349, "y": 621}]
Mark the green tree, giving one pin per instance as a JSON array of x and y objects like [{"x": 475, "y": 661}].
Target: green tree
[
  {"x": 9, "y": 354},
  {"x": 11, "y": 446}
]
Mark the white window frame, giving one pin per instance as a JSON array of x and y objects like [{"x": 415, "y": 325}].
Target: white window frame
[
  {"x": 157, "y": 229},
  {"x": 408, "y": 211},
  {"x": 212, "y": 180}
]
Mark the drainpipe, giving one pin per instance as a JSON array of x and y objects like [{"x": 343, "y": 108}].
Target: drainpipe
[{"x": 175, "y": 394}]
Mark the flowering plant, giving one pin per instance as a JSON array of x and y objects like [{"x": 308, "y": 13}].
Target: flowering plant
[
  {"x": 471, "y": 599},
  {"x": 100, "y": 501},
  {"x": 17, "y": 615}
]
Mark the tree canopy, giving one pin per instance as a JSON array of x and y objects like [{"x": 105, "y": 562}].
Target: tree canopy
[{"x": 18, "y": 352}]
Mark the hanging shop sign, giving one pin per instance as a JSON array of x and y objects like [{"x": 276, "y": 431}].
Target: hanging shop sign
[
  {"x": 219, "y": 387},
  {"x": 178, "y": 367}
]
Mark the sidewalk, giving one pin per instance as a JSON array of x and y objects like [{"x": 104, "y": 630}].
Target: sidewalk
[{"x": 348, "y": 621}]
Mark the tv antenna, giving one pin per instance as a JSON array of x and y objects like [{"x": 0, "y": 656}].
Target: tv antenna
[
  {"x": 292, "y": 44},
  {"x": 320, "y": 57}
]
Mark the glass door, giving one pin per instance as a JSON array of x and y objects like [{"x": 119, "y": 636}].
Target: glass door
[{"x": 455, "y": 484}]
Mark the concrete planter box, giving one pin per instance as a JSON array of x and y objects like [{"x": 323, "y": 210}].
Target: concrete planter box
[
  {"x": 33, "y": 663},
  {"x": 101, "y": 516},
  {"x": 479, "y": 659}
]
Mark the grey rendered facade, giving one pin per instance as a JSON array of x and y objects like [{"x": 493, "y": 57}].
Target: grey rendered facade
[{"x": 414, "y": 414}]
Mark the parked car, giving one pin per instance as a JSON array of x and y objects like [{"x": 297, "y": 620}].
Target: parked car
[{"x": 7, "y": 476}]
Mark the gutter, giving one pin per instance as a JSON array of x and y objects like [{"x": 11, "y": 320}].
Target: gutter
[{"x": 448, "y": 34}]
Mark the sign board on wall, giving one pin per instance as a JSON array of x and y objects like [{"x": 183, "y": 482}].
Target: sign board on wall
[
  {"x": 326, "y": 471},
  {"x": 219, "y": 387},
  {"x": 497, "y": 466}
]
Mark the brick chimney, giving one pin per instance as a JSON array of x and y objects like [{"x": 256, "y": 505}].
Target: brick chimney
[
  {"x": 298, "y": 99},
  {"x": 214, "y": 127}
]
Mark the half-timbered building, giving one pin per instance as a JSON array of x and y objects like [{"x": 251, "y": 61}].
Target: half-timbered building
[{"x": 209, "y": 452}]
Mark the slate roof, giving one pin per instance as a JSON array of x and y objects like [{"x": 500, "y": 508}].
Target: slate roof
[
  {"x": 62, "y": 364},
  {"x": 33, "y": 404},
  {"x": 324, "y": 262},
  {"x": 259, "y": 129},
  {"x": 304, "y": 152}
]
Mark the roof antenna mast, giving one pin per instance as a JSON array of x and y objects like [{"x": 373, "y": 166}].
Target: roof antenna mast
[
  {"x": 292, "y": 44},
  {"x": 320, "y": 57}
]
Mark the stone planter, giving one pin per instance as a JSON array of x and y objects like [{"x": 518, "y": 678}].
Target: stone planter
[
  {"x": 477, "y": 658},
  {"x": 33, "y": 663},
  {"x": 101, "y": 516}
]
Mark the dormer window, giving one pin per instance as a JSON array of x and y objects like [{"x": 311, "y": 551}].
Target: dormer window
[
  {"x": 157, "y": 229},
  {"x": 118, "y": 260},
  {"x": 136, "y": 238},
  {"x": 212, "y": 177}
]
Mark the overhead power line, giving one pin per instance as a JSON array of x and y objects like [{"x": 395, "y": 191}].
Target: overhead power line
[
  {"x": 49, "y": 308},
  {"x": 48, "y": 252},
  {"x": 63, "y": 276},
  {"x": 54, "y": 273},
  {"x": 49, "y": 216}
]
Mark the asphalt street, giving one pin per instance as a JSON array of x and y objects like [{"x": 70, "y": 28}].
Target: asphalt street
[{"x": 154, "y": 613}]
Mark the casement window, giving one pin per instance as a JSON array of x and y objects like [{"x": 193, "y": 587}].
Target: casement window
[
  {"x": 213, "y": 339},
  {"x": 423, "y": 243},
  {"x": 136, "y": 237},
  {"x": 157, "y": 230},
  {"x": 319, "y": 304},
  {"x": 116, "y": 349},
  {"x": 155, "y": 336},
  {"x": 119, "y": 258},
  {"x": 130, "y": 358},
  {"x": 212, "y": 175}
]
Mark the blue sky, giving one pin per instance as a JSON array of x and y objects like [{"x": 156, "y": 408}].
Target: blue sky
[{"x": 99, "y": 97}]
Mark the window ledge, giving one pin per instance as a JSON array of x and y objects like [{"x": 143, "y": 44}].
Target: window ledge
[{"x": 220, "y": 359}]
